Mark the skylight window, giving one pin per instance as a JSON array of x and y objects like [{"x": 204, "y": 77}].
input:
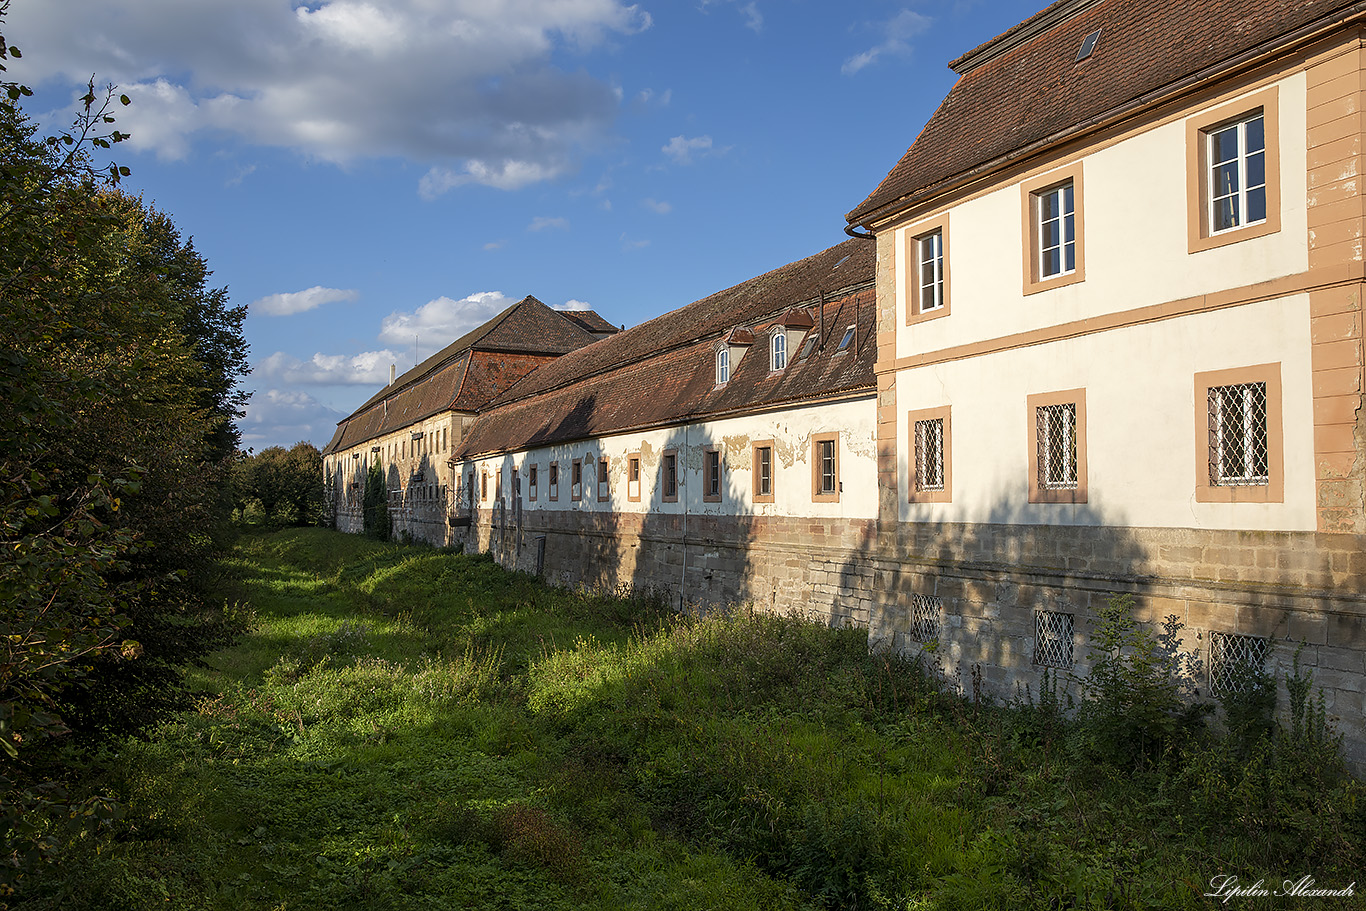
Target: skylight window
[
  {"x": 844, "y": 342},
  {"x": 806, "y": 349},
  {"x": 1088, "y": 45}
]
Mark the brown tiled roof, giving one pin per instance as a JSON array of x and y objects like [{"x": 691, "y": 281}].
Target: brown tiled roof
[
  {"x": 467, "y": 373},
  {"x": 663, "y": 371},
  {"x": 1011, "y": 98},
  {"x": 589, "y": 320}
]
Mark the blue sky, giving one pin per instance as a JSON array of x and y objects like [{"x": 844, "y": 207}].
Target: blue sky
[{"x": 378, "y": 176}]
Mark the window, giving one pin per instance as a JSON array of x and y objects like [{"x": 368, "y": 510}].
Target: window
[
  {"x": 1052, "y": 639},
  {"x": 498, "y": 485},
  {"x": 777, "y": 347},
  {"x": 845, "y": 340},
  {"x": 668, "y": 471},
  {"x": 931, "y": 462},
  {"x": 825, "y": 469},
  {"x": 722, "y": 366},
  {"x": 553, "y": 482},
  {"x": 806, "y": 348},
  {"x": 576, "y": 480},
  {"x": 516, "y": 482},
  {"x": 1053, "y": 230},
  {"x": 1233, "y": 172},
  {"x": 633, "y": 477},
  {"x": 1236, "y": 663},
  {"x": 484, "y": 485},
  {"x": 1057, "y": 447},
  {"x": 927, "y": 288},
  {"x": 925, "y": 613},
  {"x": 711, "y": 474},
  {"x": 532, "y": 482},
  {"x": 1238, "y": 429},
  {"x": 762, "y": 462},
  {"x": 604, "y": 490}
]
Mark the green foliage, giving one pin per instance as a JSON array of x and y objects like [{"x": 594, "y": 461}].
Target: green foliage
[
  {"x": 286, "y": 484},
  {"x": 1138, "y": 698},
  {"x": 376, "y": 504}
]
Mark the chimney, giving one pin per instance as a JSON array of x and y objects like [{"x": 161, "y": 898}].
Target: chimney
[{"x": 392, "y": 367}]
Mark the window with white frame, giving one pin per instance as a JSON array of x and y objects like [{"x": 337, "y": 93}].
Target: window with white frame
[
  {"x": 1238, "y": 450},
  {"x": 930, "y": 248},
  {"x": 1052, "y": 639},
  {"x": 777, "y": 349},
  {"x": 723, "y": 366},
  {"x": 1236, "y": 155},
  {"x": 1056, "y": 230}
]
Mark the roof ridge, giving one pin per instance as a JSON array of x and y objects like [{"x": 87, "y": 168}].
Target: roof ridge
[{"x": 1020, "y": 33}]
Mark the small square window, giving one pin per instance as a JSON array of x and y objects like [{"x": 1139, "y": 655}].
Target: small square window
[
  {"x": 762, "y": 461},
  {"x": 1236, "y": 663},
  {"x": 1057, "y": 447},
  {"x": 1052, "y": 639}
]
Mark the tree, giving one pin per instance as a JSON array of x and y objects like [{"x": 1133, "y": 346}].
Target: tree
[{"x": 286, "y": 483}]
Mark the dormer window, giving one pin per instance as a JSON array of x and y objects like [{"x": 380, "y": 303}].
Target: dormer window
[
  {"x": 844, "y": 342},
  {"x": 777, "y": 359},
  {"x": 722, "y": 366}
]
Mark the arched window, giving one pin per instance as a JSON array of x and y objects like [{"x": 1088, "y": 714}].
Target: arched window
[
  {"x": 723, "y": 366},
  {"x": 778, "y": 351}
]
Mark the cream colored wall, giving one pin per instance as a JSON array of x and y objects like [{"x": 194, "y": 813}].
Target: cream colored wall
[
  {"x": 426, "y": 454},
  {"x": 1140, "y": 411},
  {"x": 1134, "y": 213},
  {"x": 791, "y": 431}
]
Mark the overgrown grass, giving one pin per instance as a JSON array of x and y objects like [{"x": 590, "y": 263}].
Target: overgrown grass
[{"x": 406, "y": 728}]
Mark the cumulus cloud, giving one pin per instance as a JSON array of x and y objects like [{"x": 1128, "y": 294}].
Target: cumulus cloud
[
  {"x": 657, "y": 206},
  {"x": 896, "y": 35},
  {"x": 469, "y": 89},
  {"x": 439, "y": 322},
  {"x": 365, "y": 369},
  {"x": 278, "y": 418},
  {"x": 544, "y": 222},
  {"x": 572, "y": 305},
  {"x": 291, "y": 302},
  {"x": 681, "y": 148}
]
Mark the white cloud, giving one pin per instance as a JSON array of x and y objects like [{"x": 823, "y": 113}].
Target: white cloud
[
  {"x": 544, "y": 222},
  {"x": 365, "y": 369},
  {"x": 655, "y": 205},
  {"x": 681, "y": 148},
  {"x": 278, "y": 418},
  {"x": 495, "y": 245},
  {"x": 291, "y": 302},
  {"x": 627, "y": 244},
  {"x": 754, "y": 19},
  {"x": 896, "y": 34},
  {"x": 470, "y": 89},
  {"x": 572, "y": 305},
  {"x": 439, "y": 322}
]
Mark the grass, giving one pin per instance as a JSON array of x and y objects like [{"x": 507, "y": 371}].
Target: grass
[{"x": 406, "y": 728}]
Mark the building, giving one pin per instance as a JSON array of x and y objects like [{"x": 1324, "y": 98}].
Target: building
[
  {"x": 1099, "y": 332},
  {"x": 1120, "y": 344},
  {"x": 412, "y": 425}
]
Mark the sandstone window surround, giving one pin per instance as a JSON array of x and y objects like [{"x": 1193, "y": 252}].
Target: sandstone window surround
[
  {"x": 825, "y": 468},
  {"x": 1233, "y": 172},
  {"x": 576, "y": 480},
  {"x": 1053, "y": 229},
  {"x": 668, "y": 476},
  {"x": 1057, "y": 447},
  {"x": 553, "y": 482},
  {"x": 633, "y": 477},
  {"x": 533, "y": 481},
  {"x": 926, "y": 258},
  {"x": 930, "y": 451},
  {"x": 711, "y": 474},
  {"x": 604, "y": 487},
  {"x": 762, "y": 465},
  {"x": 1239, "y": 436}
]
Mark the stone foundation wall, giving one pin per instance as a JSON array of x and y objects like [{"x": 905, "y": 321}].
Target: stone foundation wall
[{"x": 1293, "y": 592}]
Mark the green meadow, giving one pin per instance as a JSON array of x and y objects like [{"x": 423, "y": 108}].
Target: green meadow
[{"x": 405, "y": 728}]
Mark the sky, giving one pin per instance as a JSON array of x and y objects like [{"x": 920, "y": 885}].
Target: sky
[{"x": 374, "y": 178}]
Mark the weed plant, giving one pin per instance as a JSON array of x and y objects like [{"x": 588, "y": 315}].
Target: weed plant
[{"x": 407, "y": 728}]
